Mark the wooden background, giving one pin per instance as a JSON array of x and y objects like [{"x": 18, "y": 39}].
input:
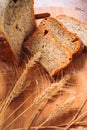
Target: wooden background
[{"x": 40, "y": 80}]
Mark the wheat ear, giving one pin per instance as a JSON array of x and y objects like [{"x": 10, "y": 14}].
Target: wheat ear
[
  {"x": 19, "y": 86},
  {"x": 57, "y": 111},
  {"x": 45, "y": 96},
  {"x": 52, "y": 90},
  {"x": 48, "y": 94}
]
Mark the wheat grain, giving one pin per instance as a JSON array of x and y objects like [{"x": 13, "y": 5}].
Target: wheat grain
[
  {"x": 52, "y": 90},
  {"x": 45, "y": 96},
  {"x": 19, "y": 86},
  {"x": 49, "y": 93},
  {"x": 57, "y": 111}
]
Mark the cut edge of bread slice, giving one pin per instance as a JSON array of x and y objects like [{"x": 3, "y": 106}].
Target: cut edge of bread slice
[
  {"x": 31, "y": 43},
  {"x": 73, "y": 28},
  {"x": 78, "y": 49}
]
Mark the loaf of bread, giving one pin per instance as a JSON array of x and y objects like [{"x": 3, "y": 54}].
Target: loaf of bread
[
  {"x": 62, "y": 36},
  {"x": 17, "y": 22},
  {"x": 54, "y": 56},
  {"x": 6, "y": 52},
  {"x": 75, "y": 26}
]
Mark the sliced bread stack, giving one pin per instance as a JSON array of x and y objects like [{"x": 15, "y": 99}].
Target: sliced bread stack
[
  {"x": 54, "y": 56},
  {"x": 56, "y": 44},
  {"x": 17, "y": 22},
  {"x": 74, "y": 26},
  {"x": 62, "y": 35}
]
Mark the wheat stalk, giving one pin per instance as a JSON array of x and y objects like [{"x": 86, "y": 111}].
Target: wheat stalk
[
  {"x": 84, "y": 114},
  {"x": 76, "y": 115},
  {"x": 43, "y": 127},
  {"x": 57, "y": 111},
  {"x": 81, "y": 123},
  {"x": 19, "y": 86},
  {"x": 34, "y": 115},
  {"x": 45, "y": 96},
  {"x": 48, "y": 94},
  {"x": 59, "y": 127},
  {"x": 48, "y": 127},
  {"x": 17, "y": 109}
]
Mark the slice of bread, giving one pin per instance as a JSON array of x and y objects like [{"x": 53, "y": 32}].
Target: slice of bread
[
  {"x": 17, "y": 22},
  {"x": 54, "y": 56},
  {"x": 75, "y": 26},
  {"x": 64, "y": 37}
]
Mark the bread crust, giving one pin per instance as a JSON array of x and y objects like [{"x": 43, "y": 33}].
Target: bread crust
[
  {"x": 77, "y": 20},
  {"x": 6, "y": 52},
  {"x": 55, "y": 71},
  {"x": 80, "y": 44}
]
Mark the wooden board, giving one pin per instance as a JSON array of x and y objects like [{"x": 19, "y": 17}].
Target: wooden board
[{"x": 40, "y": 81}]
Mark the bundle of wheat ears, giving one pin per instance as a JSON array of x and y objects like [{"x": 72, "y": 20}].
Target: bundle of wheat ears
[{"x": 52, "y": 88}]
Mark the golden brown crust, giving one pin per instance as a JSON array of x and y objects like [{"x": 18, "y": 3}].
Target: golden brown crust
[
  {"x": 77, "y": 20},
  {"x": 80, "y": 45},
  {"x": 83, "y": 23},
  {"x": 6, "y": 53},
  {"x": 26, "y": 44}
]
